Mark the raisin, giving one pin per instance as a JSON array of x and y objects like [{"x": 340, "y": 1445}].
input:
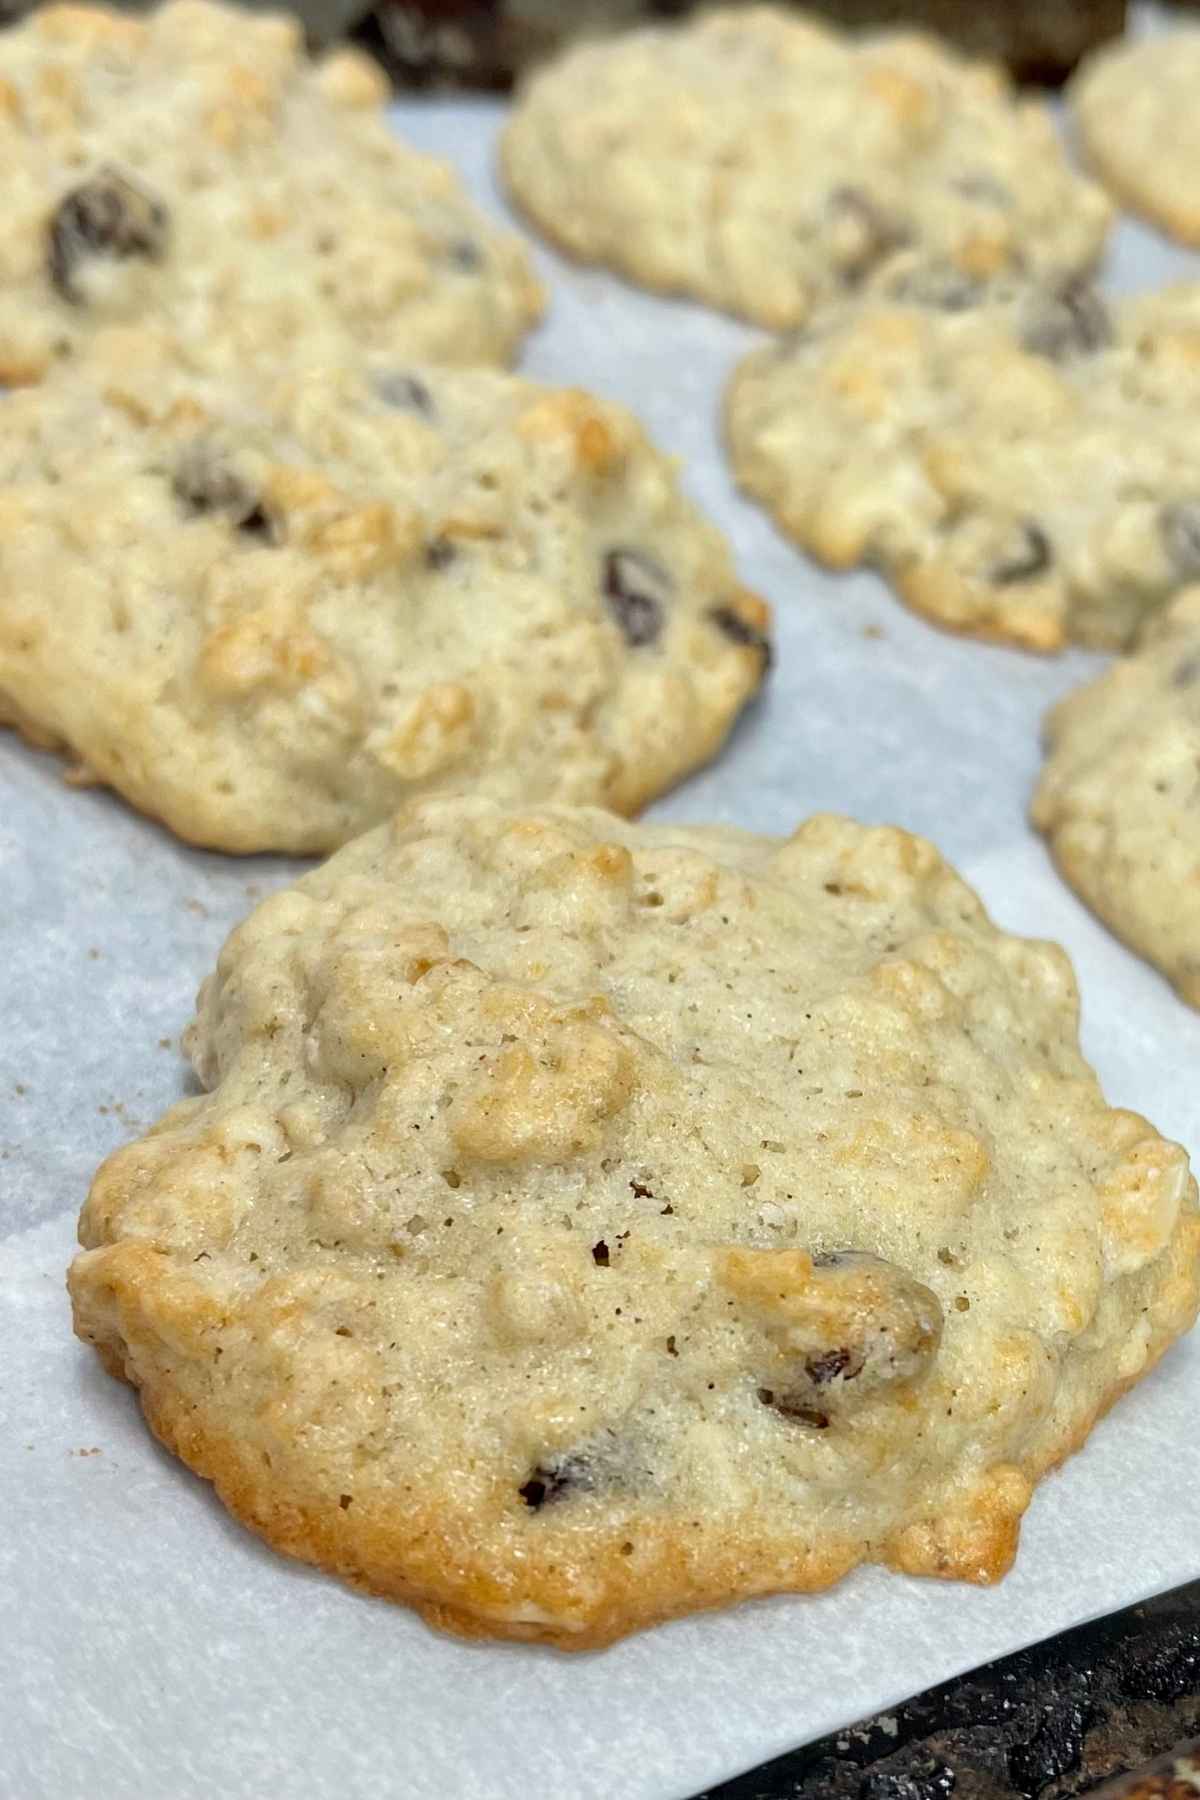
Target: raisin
[
  {"x": 740, "y": 631},
  {"x": 258, "y": 524},
  {"x": 205, "y": 484},
  {"x": 793, "y": 1406},
  {"x": 1029, "y": 557},
  {"x": 553, "y": 1481},
  {"x": 600, "y": 1254},
  {"x": 439, "y": 553},
  {"x": 1179, "y": 528},
  {"x": 637, "y": 589},
  {"x": 543, "y": 1488},
  {"x": 406, "y": 393},
  {"x": 105, "y": 216},
  {"x": 879, "y": 232},
  {"x": 832, "y": 1363},
  {"x": 890, "y": 1330},
  {"x": 641, "y": 1191},
  {"x": 1073, "y": 321}
]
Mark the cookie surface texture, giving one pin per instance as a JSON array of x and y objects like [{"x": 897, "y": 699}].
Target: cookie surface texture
[
  {"x": 1134, "y": 110},
  {"x": 587, "y": 1223},
  {"x": 1118, "y": 795},
  {"x": 761, "y": 162},
  {"x": 1018, "y": 460},
  {"x": 193, "y": 170},
  {"x": 268, "y": 623}
]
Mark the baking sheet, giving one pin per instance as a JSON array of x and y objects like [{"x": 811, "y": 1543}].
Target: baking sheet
[{"x": 150, "y": 1649}]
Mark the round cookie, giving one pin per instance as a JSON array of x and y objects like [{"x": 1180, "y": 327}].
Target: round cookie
[
  {"x": 587, "y": 1223},
  {"x": 1020, "y": 461},
  {"x": 194, "y": 171},
  {"x": 1119, "y": 798},
  {"x": 1134, "y": 105},
  {"x": 761, "y": 162},
  {"x": 268, "y": 621}
]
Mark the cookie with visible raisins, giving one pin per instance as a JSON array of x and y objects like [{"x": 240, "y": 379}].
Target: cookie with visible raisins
[
  {"x": 194, "y": 171},
  {"x": 1119, "y": 798},
  {"x": 762, "y": 162},
  {"x": 1018, "y": 459},
  {"x": 267, "y": 619},
  {"x": 587, "y": 1223},
  {"x": 1133, "y": 104}
]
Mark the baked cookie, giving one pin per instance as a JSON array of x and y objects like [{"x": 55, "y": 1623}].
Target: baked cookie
[
  {"x": 193, "y": 170},
  {"x": 266, "y": 622},
  {"x": 587, "y": 1223},
  {"x": 1119, "y": 798},
  {"x": 1020, "y": 461},
  {"x": 761, "y": 162},
  {"x": 1134, "y": 107}
]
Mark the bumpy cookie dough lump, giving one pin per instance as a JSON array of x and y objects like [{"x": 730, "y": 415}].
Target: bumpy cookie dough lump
[
  {"x": 193, "y": 170},
  {"x": 587, "y": 1222},
  {"x": 1119, "y": 798},
  {"x": 266, "y": 621},
  {"x": 762, "y": 162},
  {"x": 1019, "y": 460},
  {"x": 1135, "y": 110}
]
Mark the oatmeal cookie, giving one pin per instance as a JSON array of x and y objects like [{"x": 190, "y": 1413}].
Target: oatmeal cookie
[
  {"x": 267, "y": 619},
  {"x": 587, "y": 1223},
  {"x": 761, "y": 162},
  {"x": 1134, "y": 105},
  {"x": 1018, "y": 459},
  {"x": 194, "y": 170},
  {"x": 1119, "y": 798}
]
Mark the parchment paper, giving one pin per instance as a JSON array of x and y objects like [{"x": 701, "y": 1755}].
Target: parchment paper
[{"x": 150, "y": 1649}]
